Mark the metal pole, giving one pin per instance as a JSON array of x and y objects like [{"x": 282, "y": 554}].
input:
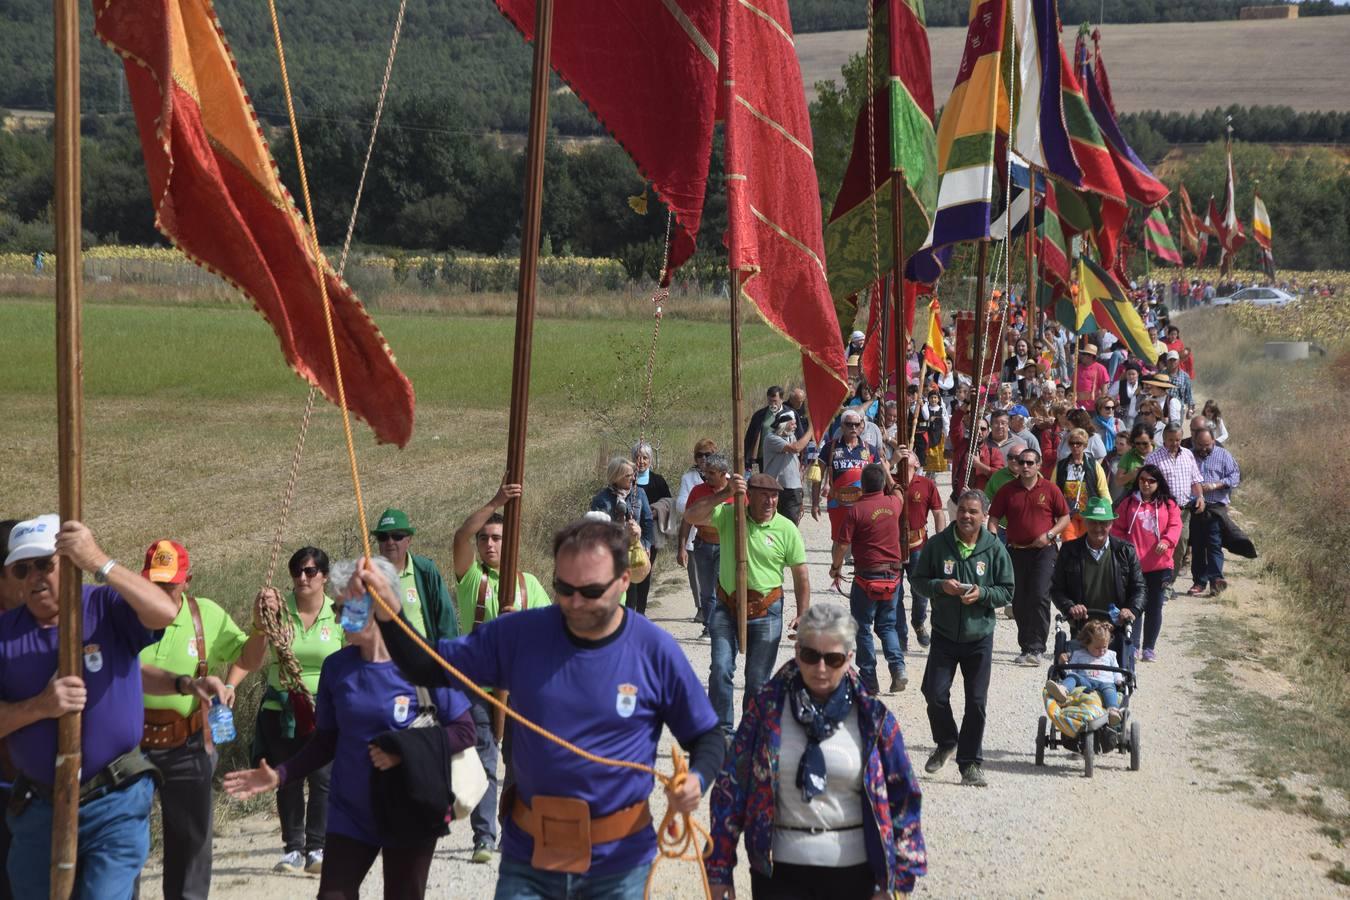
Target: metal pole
[
  {"x": 526, "y": 290},
  {"x": 901, "y": 339},
  {"x": 69, "y": 436},
  {"x": 738, "y": 457}
]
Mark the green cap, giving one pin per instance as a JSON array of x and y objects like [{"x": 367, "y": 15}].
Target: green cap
[
  {"x": 393, "y": 520},
  {"x": 1099, "y": 510}
]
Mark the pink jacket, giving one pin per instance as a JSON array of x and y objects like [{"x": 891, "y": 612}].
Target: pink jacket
[{"x": 1144, "y": 531}]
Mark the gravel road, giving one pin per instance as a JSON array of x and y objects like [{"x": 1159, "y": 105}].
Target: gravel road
[{"x": 1171, "y": 829}]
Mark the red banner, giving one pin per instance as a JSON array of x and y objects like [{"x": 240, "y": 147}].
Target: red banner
[{"x": 965, "y": 343}]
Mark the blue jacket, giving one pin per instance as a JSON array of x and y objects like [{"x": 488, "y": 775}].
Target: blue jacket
[
  {"x": 743, "y": 797},
  {"x": 639, "y": 510}
]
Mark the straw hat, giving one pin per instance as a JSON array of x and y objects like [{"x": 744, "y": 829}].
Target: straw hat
[
  {"x": 1159, "y": 380},
  {"x": 1089, "y": 349}
]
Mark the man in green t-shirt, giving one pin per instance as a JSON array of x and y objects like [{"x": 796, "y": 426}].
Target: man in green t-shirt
[
  {"x": 176, "y": 680},
  {"x": 478, "y": 559},
  {"x": 772, "y": 544},
  {"x": 427, "y": 606}
]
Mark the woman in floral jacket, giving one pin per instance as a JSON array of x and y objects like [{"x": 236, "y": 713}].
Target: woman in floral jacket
[{"x": 843, "y": 822}]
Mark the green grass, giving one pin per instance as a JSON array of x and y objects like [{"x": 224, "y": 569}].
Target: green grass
[{"x": 191, "y": 417}]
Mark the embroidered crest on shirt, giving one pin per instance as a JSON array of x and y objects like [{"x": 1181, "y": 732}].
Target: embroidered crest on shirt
[
  {"x": 192, "y": 647},
  {"x": 412, "y": 596},
  {"x": 980, "y": 566},
  {"x": 93, "y": 658},
  {"x": 324, "y": 633},
  {"x": 626, "y": 700},
  {"x": 401, "y": 708},
  {"x": 948, "y": 566}
]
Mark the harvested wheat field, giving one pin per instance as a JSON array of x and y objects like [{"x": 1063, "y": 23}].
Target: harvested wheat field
[{"x": 1179, "y": 67}]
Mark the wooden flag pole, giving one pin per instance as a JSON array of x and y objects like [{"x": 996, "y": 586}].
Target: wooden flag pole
[
  {"x": 739, "y": 461},
  {"x": 981, "y": 333},
  {"x": 1033, "y": 306},
  {"x": 526, "y": 290},
  {"x": 69, "y": 437},
  {"x": 901, "y": 335}
]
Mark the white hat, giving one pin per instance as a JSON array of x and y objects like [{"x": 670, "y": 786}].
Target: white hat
[
  {"x": 1172, "y": 354},
  {"x": 856, "y": 336},
  {"x": 33, "y": 539}
]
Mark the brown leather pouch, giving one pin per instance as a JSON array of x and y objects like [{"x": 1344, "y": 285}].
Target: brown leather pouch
[
  {"x": 756, "y": 604},
  {"x": 166, "y": 729},
  {"x": 562, "y": 836}
]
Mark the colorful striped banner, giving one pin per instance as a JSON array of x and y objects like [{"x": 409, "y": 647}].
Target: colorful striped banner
[
  {"x": 1158, "y": 238},
  {"x": 1112, "y": 310}
]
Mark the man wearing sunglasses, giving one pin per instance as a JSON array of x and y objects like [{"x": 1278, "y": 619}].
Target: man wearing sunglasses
[
  {"x": 425, "y": 597},
  {"x": 122, "y": 616},
  {"x": 593, "y": 674},
  {"x": 967, "y": 575},
  {"x": 1036, "y": 513},
  {"x": 772, "y": 544}
]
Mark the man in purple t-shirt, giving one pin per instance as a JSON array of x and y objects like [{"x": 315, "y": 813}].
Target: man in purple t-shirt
[
  {"x": 121, "y": 617},
  {"x": 602, "y": 679}
]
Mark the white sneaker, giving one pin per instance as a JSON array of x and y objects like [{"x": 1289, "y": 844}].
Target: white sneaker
[
  {"x": 314, "y": 862},
  {"x": 290, "y": 862}
]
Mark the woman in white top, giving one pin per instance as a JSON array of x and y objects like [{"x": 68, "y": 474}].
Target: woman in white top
[{"x": 818, "y": 782}]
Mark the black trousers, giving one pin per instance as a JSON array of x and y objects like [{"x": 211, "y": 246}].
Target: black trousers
[
  {"x": 790, "y": 504},
  {"x": 793, "y": 882},
  {"x": 1032, "y": 571},
  {"x": 974, "y": 659},
  {"x": 303, "y": 825},
  {"x": 347, "y": 860},
  {"x": 188, "y": 810},
  {"x": 5, "y": 892}
]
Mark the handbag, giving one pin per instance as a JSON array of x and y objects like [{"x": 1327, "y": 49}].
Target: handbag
[{"x": 468, "y": 779}]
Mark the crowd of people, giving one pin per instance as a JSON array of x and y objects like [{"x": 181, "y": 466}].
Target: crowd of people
[{"x": 1082, "y": 481}]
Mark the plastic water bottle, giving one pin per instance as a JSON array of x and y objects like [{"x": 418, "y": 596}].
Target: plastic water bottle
[
  {"x": 221, "y": 719},
  {"x": 355, "y": 614}
]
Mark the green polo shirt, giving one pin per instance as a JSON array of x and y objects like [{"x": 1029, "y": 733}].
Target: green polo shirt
[
  {"x": 466, "y": 595},
  {"x": 311, "y": 647},
  {"x": 964, "y": 549},
  {"x": 176, "y": 651},
  {"x": 770, "y": 548},
  {"x": 412, "y": 601}
]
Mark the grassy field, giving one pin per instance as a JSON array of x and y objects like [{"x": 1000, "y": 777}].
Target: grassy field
[
  {"x": 191, "y": 417},
  {"x": 1181, "y": 66}
]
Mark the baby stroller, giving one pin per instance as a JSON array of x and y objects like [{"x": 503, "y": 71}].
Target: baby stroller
[{"x": 1083, "y": 727}]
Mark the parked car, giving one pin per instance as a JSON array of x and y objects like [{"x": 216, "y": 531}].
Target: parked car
[{"x": 1258, "y": 296}]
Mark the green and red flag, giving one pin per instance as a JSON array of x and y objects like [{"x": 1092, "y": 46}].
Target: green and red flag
[
  {"x": 1093, "y": 156},
  {"x": 895, "y": 134},
  {"x": 1158, "y": 238},
  {"x": 1136, "y": 180},
  {"x": 217, "y": 197},
  {"x": 1112, "y": 310},
  {"x": 1053, "y": 244}
]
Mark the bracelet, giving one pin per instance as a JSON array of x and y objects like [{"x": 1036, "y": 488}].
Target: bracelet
[{"x": 101, "y": 576}]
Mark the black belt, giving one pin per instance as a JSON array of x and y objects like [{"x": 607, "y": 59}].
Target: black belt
[
  {"x": 119, "y": 773},
  {"x": 815, "y": 829}
]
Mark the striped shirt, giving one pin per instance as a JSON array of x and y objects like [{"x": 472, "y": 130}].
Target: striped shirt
[{"x": 1180, "y": 471}]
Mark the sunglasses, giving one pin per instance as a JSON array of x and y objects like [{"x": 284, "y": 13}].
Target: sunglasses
[
  {"x": 44, "y": 565},
  {"x": 1025, "y": 462},
  {"x": 1077, "y": 444},
  {"x": 589, "y": 591},
  {"x": 307, "y": 571},
  {"x": 852, "y": 424},
  {"x": 1143, "y": 479},
  {"x": 1108, "y": 407},
  {"x": 383, "y": 536},
  {"x": 812, "y": 657}
]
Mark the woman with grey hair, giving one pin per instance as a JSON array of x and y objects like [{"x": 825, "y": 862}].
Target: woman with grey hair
[
  {"x": 626, "y": 501},
  {"x": 843, "y": 821},
  {"x": 363, "y": 697}
]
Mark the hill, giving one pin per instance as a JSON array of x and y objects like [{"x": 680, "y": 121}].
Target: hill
[{"x": 1300, "y": 63}]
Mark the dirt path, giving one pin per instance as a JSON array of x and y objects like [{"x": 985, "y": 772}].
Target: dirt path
[{"x": 1176, "y": 828}]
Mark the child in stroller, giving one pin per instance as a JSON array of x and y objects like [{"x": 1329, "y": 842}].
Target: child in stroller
[{"x": 1094, "y": 639}]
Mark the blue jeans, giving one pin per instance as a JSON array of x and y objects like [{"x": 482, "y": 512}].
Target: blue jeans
[
  {"x": 1105, "y": 689},
  {"x": 518, "y": 880},
  {"x": 1206, "y": 548},
  {"x": 763, "y": 635},
  {"x": 706, "y": 558},
  {"x": 918, "y": 603},
  {"x": 114, "y": 840},
  {"x": 887, "y": 619}
]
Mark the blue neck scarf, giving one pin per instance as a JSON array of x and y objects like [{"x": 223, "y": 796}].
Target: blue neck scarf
[
  {"x": 644, "y": 477},
  {"x": 820, "y": 723}
]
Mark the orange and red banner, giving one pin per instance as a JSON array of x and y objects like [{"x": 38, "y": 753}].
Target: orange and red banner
[
  {"x": 218, "y": 198},
  {"x": 965, "y": 344},
  {"x": 773, "y": 200}
]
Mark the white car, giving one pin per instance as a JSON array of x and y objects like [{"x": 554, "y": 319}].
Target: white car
[{"x": 1258, "y": 296}]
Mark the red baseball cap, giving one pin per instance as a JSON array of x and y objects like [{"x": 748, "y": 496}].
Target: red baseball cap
[{"x": 166, "y": 562}]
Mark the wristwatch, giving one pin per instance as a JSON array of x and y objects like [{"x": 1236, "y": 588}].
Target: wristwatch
[{"x": 101, "y": 576}]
